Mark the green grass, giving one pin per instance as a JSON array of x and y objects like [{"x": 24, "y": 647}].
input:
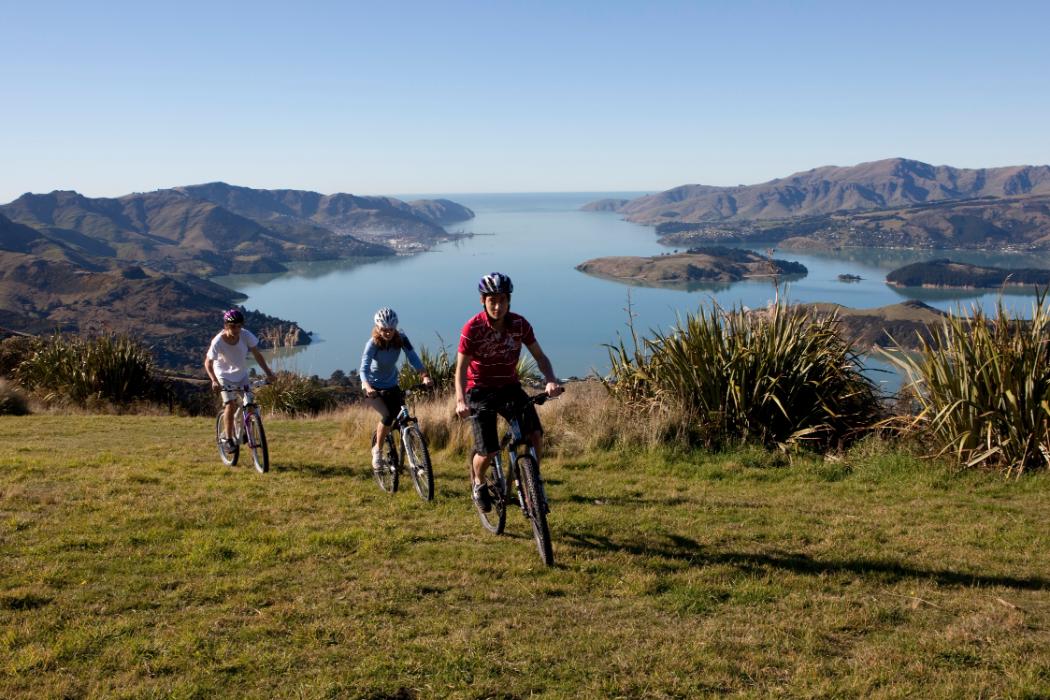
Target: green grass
[{"x": 133, "y": 564}]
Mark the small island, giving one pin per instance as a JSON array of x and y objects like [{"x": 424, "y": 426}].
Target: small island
[
  {"x": 696, "y": 266},
  {"x": 946, "y": 273},
  {"x": 846, "y": 277}
]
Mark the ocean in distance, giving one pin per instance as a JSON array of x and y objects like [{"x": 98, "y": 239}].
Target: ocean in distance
[{"x": 538, "y": 239}]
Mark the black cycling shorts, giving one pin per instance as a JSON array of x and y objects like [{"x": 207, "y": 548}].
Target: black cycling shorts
[
  {"x": 388, "y": 403},
  {"x": 486, "y": 403}
]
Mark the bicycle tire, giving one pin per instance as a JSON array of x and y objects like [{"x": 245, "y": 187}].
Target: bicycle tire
[
  {"x": 228, "y": 458},
  {"x": 535, "y": 510},
  {"x": 418, "y": 457},
  {"x": 388, "y": 476},
  {"x": 495, "y": 520},
  {"x": 257, "y": 443}
]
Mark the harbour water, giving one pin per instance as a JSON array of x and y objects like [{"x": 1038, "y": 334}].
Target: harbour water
[{"x": 538, "y": 239}]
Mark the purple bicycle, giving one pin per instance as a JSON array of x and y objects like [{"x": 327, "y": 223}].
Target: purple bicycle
[{"x": 248, "y": 427}]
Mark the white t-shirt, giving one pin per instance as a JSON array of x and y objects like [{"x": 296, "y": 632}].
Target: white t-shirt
[{"x": 231, "y": 361}]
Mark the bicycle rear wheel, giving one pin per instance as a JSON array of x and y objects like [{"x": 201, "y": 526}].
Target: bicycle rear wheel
[
  {"x": 535, "y": 508},
  {"x": 257, "y": 443},
  {"x": 388, "y": 475},
  {"x": 496, "y": 519},
  {"x": 228, "y": 457},
  {"x": 418, "y": 457}
]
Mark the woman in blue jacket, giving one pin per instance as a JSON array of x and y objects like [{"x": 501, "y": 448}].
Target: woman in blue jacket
[{"x": 379, "y": 373}]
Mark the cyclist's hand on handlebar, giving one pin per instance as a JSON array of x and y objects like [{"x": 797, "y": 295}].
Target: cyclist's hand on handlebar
[
  {"x": 554, "y": 389},
  {"x": 462, "y": 409},
  {"x": 369, "y": 391}
]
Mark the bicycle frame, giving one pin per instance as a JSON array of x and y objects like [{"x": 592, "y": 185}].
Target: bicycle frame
[
  {"x": 247, "y": 407},
  {"x": 513, "y": 441}
]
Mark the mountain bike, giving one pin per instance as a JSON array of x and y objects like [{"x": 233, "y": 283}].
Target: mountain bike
[
  {"x": 524, "y": 472},
  {"x": 413, "y": 448},
  {"x": 248, "y": 427}
]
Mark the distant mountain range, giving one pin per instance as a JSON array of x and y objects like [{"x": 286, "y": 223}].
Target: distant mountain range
[
  {"x": 137, "y": 262},
  {"x": 996, "y": 207},
  {"x": 219, "y": 228}
]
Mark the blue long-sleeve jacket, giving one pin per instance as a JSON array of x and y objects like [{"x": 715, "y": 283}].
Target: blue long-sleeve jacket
[{"x": 379, "y": 367}]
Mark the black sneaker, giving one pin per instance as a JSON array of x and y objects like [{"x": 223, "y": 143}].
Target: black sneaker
[
  {"x": 480, "y": 495},
  {"x": 231, "y": 445}
]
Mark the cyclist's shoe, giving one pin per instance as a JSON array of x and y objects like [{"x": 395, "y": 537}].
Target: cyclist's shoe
[
  {"x": 231, "y": 445},
  {"x": 377, "y": 460},
  {"x": 480, "y": 496}
]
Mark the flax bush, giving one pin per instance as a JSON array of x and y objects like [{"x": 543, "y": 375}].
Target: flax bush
[
  {"x": 778, "y": 377},
  {"x": 293, "y": 394},
  {"x": 982, "y": 387},
  {"x": 84, "y": 371},
  {"x": 439, "y": 365}
]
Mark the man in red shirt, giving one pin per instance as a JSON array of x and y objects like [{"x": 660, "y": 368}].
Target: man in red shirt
[{"x": 487, "y": 376}]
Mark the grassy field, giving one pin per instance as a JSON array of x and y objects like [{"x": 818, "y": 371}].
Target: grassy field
[{"x": 133, "y": 564}]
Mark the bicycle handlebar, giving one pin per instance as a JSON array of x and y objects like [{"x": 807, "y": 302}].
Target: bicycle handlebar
[{"x": 253, "y": 384}]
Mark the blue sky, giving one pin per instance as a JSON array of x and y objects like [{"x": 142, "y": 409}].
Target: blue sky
[{"x": 115, "y": 97}]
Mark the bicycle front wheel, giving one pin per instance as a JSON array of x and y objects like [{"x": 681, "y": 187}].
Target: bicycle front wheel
[
  {"x": 418, "y": 458},
  {"x": 257, "y": 443},
  {"x": 535, "y": 508},
  {"x": 228, "y": 457},
  {"x": 388, "y": 473}
]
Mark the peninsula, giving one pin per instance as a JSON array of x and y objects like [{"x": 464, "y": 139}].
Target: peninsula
[{"x": 949, "y": 274}]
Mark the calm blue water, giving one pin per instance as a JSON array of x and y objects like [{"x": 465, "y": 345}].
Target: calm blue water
[{"x": 538, "y": 239}]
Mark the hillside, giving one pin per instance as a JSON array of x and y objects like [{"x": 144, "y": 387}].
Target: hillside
[
  {"x": 888, "y": 203},
  {"x": 174, "y": 313},
  {"x": 136, "y": 565},
  {"x": 883, "y": 184},
  {"x": 695, "y": 267},
  {"x": 169, "y": 230},
  {"x": 382, "y": 220},
  {"x": 990, "y": 223},
  {"x": 136, "y": 262},
  {"x": 904, "y": 323}
]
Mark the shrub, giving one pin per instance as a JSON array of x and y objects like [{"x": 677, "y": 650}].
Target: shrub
[
  {"x": 440, "y": 366},
  {"x": 14, "y": 350},
  {"x": 777, "y": 377},
  {"x": 982, "y": 387},
  {"x": 13, "y": 401},
  {"x": 106, "y": 368},
  {"x": 293, "y": 394}
]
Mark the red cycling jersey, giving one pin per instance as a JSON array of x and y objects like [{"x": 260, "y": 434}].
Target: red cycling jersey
[{"x": 494, "y": 355}]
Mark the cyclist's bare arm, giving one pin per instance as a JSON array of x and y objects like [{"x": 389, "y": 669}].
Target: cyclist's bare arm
[
  {"x": 262, "y": 363},
  {"x": 209, "y": 367},
  {"x": 462, "y": 362},
  {"x": 543, "y": 363}
]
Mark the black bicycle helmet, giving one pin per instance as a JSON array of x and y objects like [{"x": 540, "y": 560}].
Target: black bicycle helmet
[{"x": 495, "y": 283}]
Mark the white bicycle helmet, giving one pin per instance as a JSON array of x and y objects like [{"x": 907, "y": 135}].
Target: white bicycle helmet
[{"x": 386, "y": 318}]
